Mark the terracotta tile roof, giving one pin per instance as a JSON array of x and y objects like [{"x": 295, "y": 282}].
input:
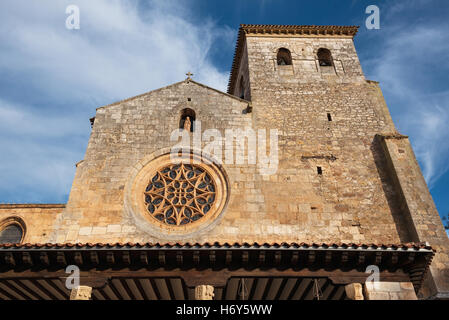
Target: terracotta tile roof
[
  {"x": 225, "y": 245},
  {"x": 281, "y": 29},
  {"x": 415, "y": 258},
  {"x": 300, "y": 29}
]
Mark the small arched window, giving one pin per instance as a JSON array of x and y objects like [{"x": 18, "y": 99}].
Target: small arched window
[
  {"x": 242, "y": 89},
  {"x": 324, "y": 57},
  {"x": 187, "y": 121},
  {"x": 11, "y": 233},
  {"x": 284, "y": 57}
]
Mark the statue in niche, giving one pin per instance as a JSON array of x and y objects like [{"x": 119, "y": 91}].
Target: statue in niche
[{"x": 187, "y": 124}]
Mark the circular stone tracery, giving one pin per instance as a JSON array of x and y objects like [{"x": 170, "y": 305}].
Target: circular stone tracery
[{"x": 180, "y": 194}]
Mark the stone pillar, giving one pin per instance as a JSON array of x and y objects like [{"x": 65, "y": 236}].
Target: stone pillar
[
  {"x": 389, "y": 291},
  {"x": 204, "y": 292},
  {"x": 81, "y": 293},
  {"x": 354, "y": 291}
]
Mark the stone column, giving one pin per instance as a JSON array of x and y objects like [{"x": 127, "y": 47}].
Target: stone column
[
  {"x": 204, "y": 292},
  {"x": 389, "y": 291},
  {"x": 81, "y": 293},
  {"x": 354, "y": 291}
]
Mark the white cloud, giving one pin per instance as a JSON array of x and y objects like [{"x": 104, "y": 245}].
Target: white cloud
[
  {"x": 120, "y": 50},
  {"x": 53, "y": 78},
  {"x": 16, "y": 120},
  {"x": 431, "y": 139},
  {"x": 38, "y": 154}
]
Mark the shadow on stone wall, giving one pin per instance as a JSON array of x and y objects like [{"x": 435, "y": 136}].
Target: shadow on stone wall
[{"x": 393, "y": 193}]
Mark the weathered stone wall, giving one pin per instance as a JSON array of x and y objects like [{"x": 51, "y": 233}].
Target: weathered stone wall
[
  {"x": 371, "y": 290},
  {"x": 369, "y": 193},
  {"x": 243, "y": 77},
  {"x": 38, "y": 219},
  {"x": 360, "y": 196},
  {"x": 389, "y": 291},
  {"x": 261, "y": 54},
  {"x": 123, "y": 135},
  {"x": 296, "y": 204},
  {"x": 347, "y": 203}
]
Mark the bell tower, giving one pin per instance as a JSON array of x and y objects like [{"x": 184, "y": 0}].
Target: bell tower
[
  {"x": 288, "y": 55},
  {"x": 343, "y": 167}
]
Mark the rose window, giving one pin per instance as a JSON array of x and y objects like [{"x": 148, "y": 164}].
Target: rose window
[{"x": 180, "y": 194}]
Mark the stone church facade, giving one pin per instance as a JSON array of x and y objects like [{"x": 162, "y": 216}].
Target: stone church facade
[{"x": 347, "y": 193}]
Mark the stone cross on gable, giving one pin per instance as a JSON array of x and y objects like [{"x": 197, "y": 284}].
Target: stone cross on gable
[{"x": 189, "y": 75}]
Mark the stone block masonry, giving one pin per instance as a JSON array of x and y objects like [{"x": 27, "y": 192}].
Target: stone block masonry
[{"x": 345, "y": 175}]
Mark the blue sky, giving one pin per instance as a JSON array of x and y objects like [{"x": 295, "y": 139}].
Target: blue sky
[{"x": 52, "y": 79}]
